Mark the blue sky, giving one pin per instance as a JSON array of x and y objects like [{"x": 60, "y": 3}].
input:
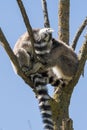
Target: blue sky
[{"x": 18, "y": 106}]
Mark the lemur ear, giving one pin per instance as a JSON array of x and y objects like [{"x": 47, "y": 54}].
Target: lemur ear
[{"x": 46, "y": 30}]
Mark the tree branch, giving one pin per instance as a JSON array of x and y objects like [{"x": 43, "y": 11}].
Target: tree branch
[
  {"x": 63, "y": 20},
  {"x": 13, "y": 58},
  {"x": 28, "y": 26},
  {"x": 80, "y": 30},
  {"x": 45, "y": 13}
]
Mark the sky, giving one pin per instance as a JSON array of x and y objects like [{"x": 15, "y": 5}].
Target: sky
[{"x": 18, "y": 105}]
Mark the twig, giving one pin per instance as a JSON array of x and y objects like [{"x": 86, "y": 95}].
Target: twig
[
  {"x": 13, "y": 58},
  {"x": 28, "y": 26},
  {"x": 80, "y": 30},
  {"x": 45, "y": 13}
]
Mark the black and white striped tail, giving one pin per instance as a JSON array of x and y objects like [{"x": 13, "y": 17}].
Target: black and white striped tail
[{"x": 40, "y": 82}]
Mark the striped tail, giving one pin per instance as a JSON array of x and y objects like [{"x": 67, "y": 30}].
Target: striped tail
[{"x": 43, "y": 98}]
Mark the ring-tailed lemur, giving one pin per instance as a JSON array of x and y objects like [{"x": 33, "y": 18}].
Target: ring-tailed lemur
[
  {"x": 23, "y": 51},
  {"x": 50, "y": 50}
]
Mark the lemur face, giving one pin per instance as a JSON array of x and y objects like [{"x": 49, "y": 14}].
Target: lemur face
[{"x": 45, "y": 34}]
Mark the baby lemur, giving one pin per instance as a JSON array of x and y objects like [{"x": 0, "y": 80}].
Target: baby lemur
[{"x": 63, "y": 61}]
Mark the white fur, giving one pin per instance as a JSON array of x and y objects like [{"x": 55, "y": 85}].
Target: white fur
[
  {"x": 59, "y": 73},
  {"x": 46, "y": 30}
]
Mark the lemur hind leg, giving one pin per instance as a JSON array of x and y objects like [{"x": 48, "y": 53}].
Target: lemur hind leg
[{"x": 56, "y": 82}]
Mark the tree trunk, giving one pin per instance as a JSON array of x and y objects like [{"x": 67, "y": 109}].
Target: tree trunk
[{"x": 61, "y": 99}]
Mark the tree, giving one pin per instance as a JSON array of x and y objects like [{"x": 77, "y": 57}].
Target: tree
[{"x": 65, "y": 94}]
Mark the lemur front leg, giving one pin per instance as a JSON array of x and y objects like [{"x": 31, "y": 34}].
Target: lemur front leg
[{"x": 26, "y": 62}]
